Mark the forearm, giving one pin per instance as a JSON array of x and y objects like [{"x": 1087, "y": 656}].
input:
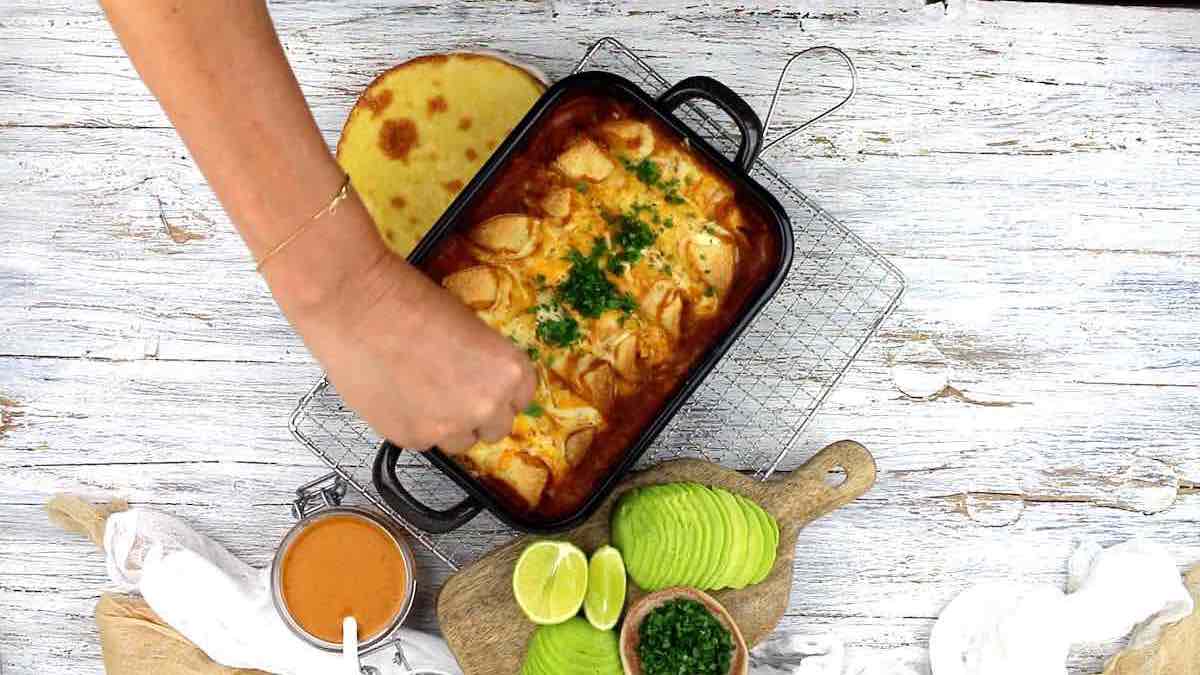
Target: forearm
[
  {"x": 397, "y": 346},
  {"x": 221, "y": 76}
]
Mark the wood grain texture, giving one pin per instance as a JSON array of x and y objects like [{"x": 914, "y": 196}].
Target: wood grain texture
[
  {"x": 493, "y": 641},
  {"x": 1034, "y": 169}
]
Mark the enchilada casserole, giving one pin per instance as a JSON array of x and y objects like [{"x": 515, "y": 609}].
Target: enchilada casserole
[{"x": 616, "y": 256}]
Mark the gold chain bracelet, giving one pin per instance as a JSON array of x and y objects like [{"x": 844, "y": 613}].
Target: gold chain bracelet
[{"x": 338, "y": 197}]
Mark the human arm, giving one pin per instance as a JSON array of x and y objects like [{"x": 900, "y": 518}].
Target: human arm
[{"x": 414, "y": 362}]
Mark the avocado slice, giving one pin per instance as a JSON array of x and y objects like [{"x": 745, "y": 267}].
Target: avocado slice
[
  {"x": 532, "y": 664},
  {"x": 573, "y": 647},
  {"x": 756, "y": 542},
  {"x": 714, "y": 533},
  {"x": 660, "y": 536},
  {"x": 571, "y": 650},
  {"x": 542, "y": 657},
  {"x": 652, "y": 534},
  {"x": 633, "y": 536},
  {"x": 687, "y": 534},
  {"x": 739, "y": 541},
  {"x": 696, "y": 529},
  {"x": 715, "y": 526},
  {"x": 682, "y": 545},
  {"x": 771, "y": 528},
  {"x": 668, "y": 549},
  {"x": 589, "y": 649},
  {"x": 619, "y": 523},
  {"x": 760, "y": 540},
  {"x": 725, "y": 552},
  {"x": 644, "y": 531}
]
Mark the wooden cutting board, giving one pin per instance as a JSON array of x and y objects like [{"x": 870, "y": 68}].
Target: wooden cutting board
[{"x": 487, "y": 631}]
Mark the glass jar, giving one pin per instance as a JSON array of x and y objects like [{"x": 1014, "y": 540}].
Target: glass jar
[{"x": 382, "y": 636}]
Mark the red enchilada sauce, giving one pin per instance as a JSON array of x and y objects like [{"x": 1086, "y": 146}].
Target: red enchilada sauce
[
  {"x": 527, "y": 177},
  {"x": 339, "y": 566}
]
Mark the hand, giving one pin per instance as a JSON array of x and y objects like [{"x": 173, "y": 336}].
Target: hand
[
  {"x": 411, "y": 359},
  {"x": 418, "y": 366}
]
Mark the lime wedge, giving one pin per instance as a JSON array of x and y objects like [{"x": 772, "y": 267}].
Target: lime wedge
[
  {"x": 606, "y": 588},
  {"x": 550, "y": 580}
]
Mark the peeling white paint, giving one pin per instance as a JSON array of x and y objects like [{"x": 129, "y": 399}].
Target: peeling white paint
[
  {"x": 919, "y": 369},
  {"x": 993, "y": 510}
]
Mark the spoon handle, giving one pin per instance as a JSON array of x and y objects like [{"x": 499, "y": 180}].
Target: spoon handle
[{"x": 350, "y": 647}]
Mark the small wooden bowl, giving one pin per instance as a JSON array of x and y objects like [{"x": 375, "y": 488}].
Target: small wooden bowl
[{"x": 738, "y": 665}]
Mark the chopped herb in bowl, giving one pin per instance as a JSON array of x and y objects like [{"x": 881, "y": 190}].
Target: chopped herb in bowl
[{"x": 682, "y": 637}]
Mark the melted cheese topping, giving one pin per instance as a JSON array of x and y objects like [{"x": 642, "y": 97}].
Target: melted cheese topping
[{"x": 617, "y": 174}]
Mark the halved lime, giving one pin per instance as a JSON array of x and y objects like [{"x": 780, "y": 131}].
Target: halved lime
[
  {"x": 606, "y": 588},
  {"x": 550, "y": 580}
]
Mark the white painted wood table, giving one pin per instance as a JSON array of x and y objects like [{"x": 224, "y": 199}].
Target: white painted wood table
[{"x": 1034, "y": 170}]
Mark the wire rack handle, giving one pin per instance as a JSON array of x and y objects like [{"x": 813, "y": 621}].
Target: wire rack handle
[{"x": 828, "y": 111}]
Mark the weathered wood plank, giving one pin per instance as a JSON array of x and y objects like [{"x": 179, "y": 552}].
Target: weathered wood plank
[
  {"x": 234, "y": 482},
  {"x": 1060, "y": 271},
  {"x": 1033, "y": 169},
  {"x": 859, "y": 576}
]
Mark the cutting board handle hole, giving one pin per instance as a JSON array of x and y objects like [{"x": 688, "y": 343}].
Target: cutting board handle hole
[{"x": 835, "y": 477}]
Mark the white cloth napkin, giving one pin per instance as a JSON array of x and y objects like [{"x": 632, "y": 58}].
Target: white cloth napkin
[
  {"x": 224, "y": 605},
  {"x": 1011, "y": 628},
  {"x": 1002, "y": 628}
]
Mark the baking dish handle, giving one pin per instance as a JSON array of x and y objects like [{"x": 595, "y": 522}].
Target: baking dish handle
[
  {"x": 723, "y": 97},
  {"x": 409, "y": 507}
]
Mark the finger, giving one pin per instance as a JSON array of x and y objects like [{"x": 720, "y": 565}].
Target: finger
[
  {"x": 409, "y": 442},
  {"x": 525, "y": 389},
  {"x": 496, "y": 428},
  {"x": 458, "y": 443}
]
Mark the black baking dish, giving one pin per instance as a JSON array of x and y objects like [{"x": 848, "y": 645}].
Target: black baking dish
[{"x": 479, "y": 496}]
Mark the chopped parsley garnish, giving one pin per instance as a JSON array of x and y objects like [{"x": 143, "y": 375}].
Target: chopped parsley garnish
[
  {"x": 633, "y": 236},
  {"x": 581, "y": 187},
  {"x": 634, "y": 233},
  {"x": 561, "y": 332},
  {"x": 671, "y": 187},
  {"x": 533, "y": 353},
  {"x": 534, "y": 409},
  {"x": 587, "y": 289},
  {"x": 681, "y": 636},
  {"x": 617, "y": 262},
  {"x": 649, "y": 173},
  {"x": 646, "y": 170},
  {"x": 625, "y": 304}
]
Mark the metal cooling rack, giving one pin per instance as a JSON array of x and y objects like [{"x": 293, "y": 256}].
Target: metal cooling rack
[{"x": 750, "y": 410}]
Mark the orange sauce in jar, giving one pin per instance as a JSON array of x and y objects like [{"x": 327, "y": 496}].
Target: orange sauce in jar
[{"x": 343, "y": 565}]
